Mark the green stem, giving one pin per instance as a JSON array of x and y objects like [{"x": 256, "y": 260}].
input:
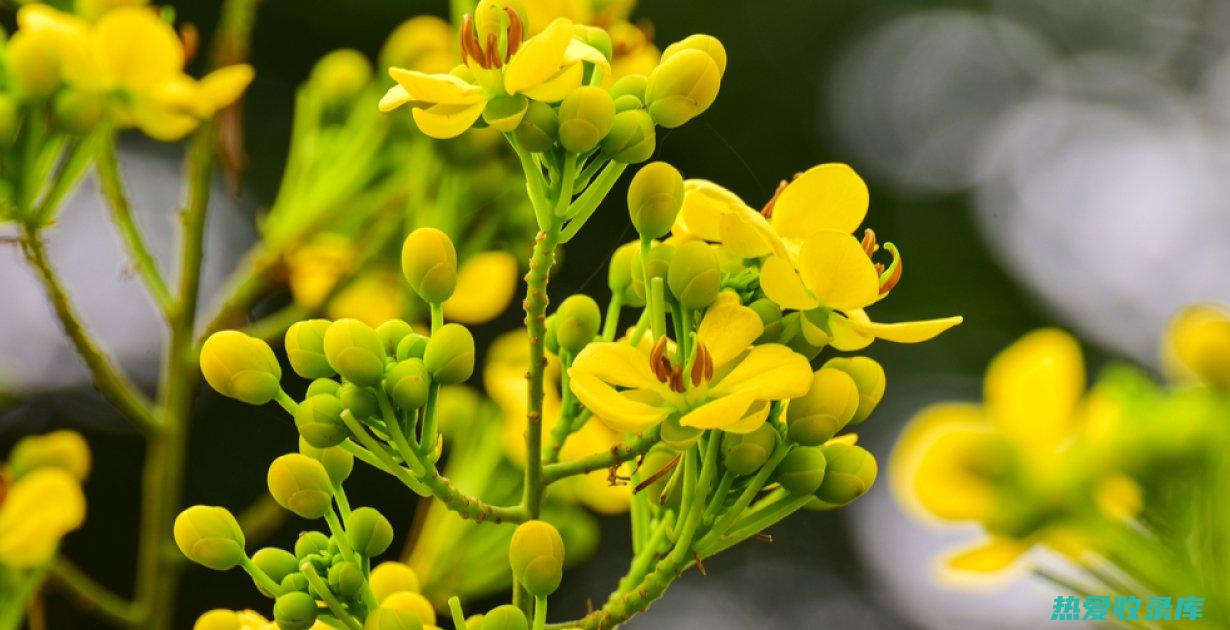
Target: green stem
[
  {"x": 610, "y": 325},
  {"x": 753, "y": 488},
  {"x": 322, "y": 589},
  {"x": 617, "y": 455},
  {"x": 535, "y": 322},
  {"x": 540, "y": 613},
  {"x": 93, "y": 595},
  {"x": 588, "y": 202},
  {"x": 621, "y": 608},
  {"x": 260, "y": 578},
  {"x": 112, "y": 183},
  {"x": 459, "y": 617},
  {"x": 437, "y": 316}
]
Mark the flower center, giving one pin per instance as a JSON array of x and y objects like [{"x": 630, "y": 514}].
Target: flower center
[
  {"x": 487, "y": 53},
  {"x": 672, "y": 373}
]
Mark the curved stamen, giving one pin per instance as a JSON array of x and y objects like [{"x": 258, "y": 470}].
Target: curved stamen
[
  {"x": 869, "y": 242},
  {"x": 658, "y": 362},
  {"x": 891, "y": 276},
  {"x": 767, "y": 210},
  {"x": 516, "y": 31},
  {"x": 493, "y": 51}
]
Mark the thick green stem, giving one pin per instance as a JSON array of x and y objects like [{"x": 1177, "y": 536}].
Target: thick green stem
[
  {"x": 535, "y": 323},
  {"x": 623, "y": 607},
  {"x": 92, "y": 595},
  {"x": 618, "y": 454},
  {"x": 121, "y": 214},
  {"x": 540, "y": 613}
]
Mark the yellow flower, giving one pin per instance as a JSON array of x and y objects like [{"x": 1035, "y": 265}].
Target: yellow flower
[
  {"x": 812, "y": 263},
  {"x": 501, "y": 71},
  {"x": 486, "y": 283},
  {"x": 374, "y": 297},
  {"x": 38, "y": 510},
  {"x": 1197, "y": 345},
  {"x": 316, "y": 266},
  {"x": 727, "y": 387}
]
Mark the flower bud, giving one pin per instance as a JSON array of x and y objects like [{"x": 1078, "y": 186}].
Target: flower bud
[
  {"x": 655, "y": 196},
  {"x": 550, "y": 339},
  {"x": 1197, "y": 344},
  {"x": 630, "y": 85},
  {"x": 412, "y": 346},
  {"x": 77, "y": 112},
  {"x": 63, "y": 449},
  {"x": 392, "y": 577},
  {"x": 369, "y": 532},
  {"x": 632, "y": 138},
  {"x": 412, "y": 603},
  {"x": 695, "y": 277},
  {"x": 585, "y": 117},
  {"x": 361, "y": 403},
  {"x": 301, "y": 485},
  {"x": 338, "y": 462},
  {"x": 506, "y": 617},
  {"x": 577, "y": 322},
  {"x": 801, "y": 471},
  {"x": 295, "y": 582},
  {"x": 793, "y": 337},
  {"x": 450, "y": 354},
  {"x": 407, "y": 383},
  {"x": 241, "y": 367},
  {"x": 209, "y": 536},
  {"x": 536, "y": 554},
  {"x": 682, "y": 87},
  {"x": 658, "y": 266},
  {"x": 389, "y": 619},
  {"x": 340, "y": 76},
  {"x": 658, "y": 458},
  {"x": 539, "y": 128},
  {"x": 295, "y": 611},
  {"x": 276, "y": 563},
  {"x": 771, "y": 317},
  {"x": 353, "y": 349},
  {"x": 323, "y": 386},
  {"x": 310, "y": 543},
  {"x": 744, "y": 454},
  {"x": 429, "y": 263},
  {"x": 827, "y": 407},
  {"x": 595, "y": 37},
  {"x": 677, "y": 436},
  {"x": 33, "y": 63},
  {"x": 219, "y": 619},
  {"x": 391, "y": 333},
  {"x": 504, "y": 113},
  {"x": 345, "y": 578},
  {"x": 707, "y": 44},
  {"x": 319, "y": 420},
  {"x": 868, "y": 378},
  {"x": 620, "y": 276},
  {"x": 851, "y": 471}
]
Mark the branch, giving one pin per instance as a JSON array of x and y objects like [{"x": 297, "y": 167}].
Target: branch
[
  {"x": 618, "y": 454},
  {"x": 112, "y": 184},
  {"x": 91, "y": 594}
]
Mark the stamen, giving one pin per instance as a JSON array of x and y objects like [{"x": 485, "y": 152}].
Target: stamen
[
  {"x": 677, "y": 379},
  {"x": 869, "y": 242},
  {"x": 660, "y": 365},
  {"x": 493, "y": 51},
  {"x": 767, "y": 210},
  {"x": 516, "y": 31},
  {"x": 698, "y": 365},
  {"x": 890, "y": 278},
  {"x": 463, "y": 35},
  {"x": 708, "y": 365}
]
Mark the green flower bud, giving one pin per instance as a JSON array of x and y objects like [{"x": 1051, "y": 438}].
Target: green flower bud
[
  {"x": 632, "y": 138},
  {"x": 596, "y": 37},
  {"x": 627, "y": 103},
  {"x": 429, "y": 263},
  {"x": 744, "y": 454},
  {"x": 659, "y": 262},
  {"x": 677, "y": 436},
  {"x": 319, "y": 420},
  {"x": 407, "y": 383},
  {"x": 707, "y": 44},
  {"x": 450, "y": 354},
  {"x": 10, "y": 119},
  {"x": 539, "y": 128},
  {"x": 33, "y": 63},
  {"x": 355, "y": 351},
  {"x": 295, "y": 582},
  {"x": 550, "y": 339},
  {"x": 585, "y": 117},
  {"x": 412, "y": 346},
  {"x": 369, "y": 532},
  {"x": 340, "y": 76},
  {"x": 630, "y": 85},
  {"x": 827, "y": 407},
  {"x": 361, "y": 403},
  {"x": 241, "y": 367},
  {"x": 305, "y": 347},
  {"x": 78, "y": 112},
  {"x": 536, "y": 554},
  {"x": 851, "y": 472},
  {"x": 695, "y": 277},
  {"x": 210, "y": 536},
  {"x": 301, "y": 485},
  {"x": 63, "y": 449},
  {"x": 658, "y": 458},
  {"x": 801, "y": 471},
  {"x": 506, "y": 617},
  {"x": 619, "y": 276},
  {"x": 310, "y": 543},
  {"x": 345, "y": 578},
  {"x": 392, "y": 577},
  {"x": 390, "y": 619},
  {"x": 323, "y": 386},
  {"x": 655, "y": 197},
  {"x": 793, "y": 337},
  {"x": 577, "y": 322},
  {"x": 391, "y": 333},
  {"x": 771, "y": 316},
  {"x": 682, "y": 87},
  {"x": 276, "y": 563},
  {"x": 504, "y": 113},
  {"x": 868, "y": 378},
  {"x": 294, "y": 611},
  {"x": 338, "y": 462}
]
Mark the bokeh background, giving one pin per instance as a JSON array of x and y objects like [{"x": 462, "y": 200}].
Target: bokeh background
[{"x": 1037, "y": 162}]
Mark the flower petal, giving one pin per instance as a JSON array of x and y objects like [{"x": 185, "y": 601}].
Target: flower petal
[
  {"x": 769, "y": 372},
  {"x": 1033, "y": 387},
  {"x": 752, "y": 420},
  {"x": 704, "y": 204},
  {"x": 728, "y": 328},
  {"x": 838, "y": 272},
  {"x": 746, "y": 233},
  {"x": 224, "y": 86},
  {"x": 939, "y": 463},
  {"x": 578, "y": 51},
  {"x": 556, "y": 87},
  {"x": 40, "y": 508},
  {"x": 993, "y": 556},
  {"x": 781, "y": 283},
  {"x": 137, "y": 47},
  {"x": 539, "y": 58},
  {"x": 846, "y": 337},
  {"x": 906, "y": 332},
  {"x": 616, "y": 410},
  {"x": 617, "y": 363},
  {"x": 719, "y": 413},
  {"x": 446, "y": 121},
  {"x": 485, "y": 285},
  {"x": 826, "y": 197},
  {"x": 442, "y": 89},
  {"x": 394, "y": 98}
]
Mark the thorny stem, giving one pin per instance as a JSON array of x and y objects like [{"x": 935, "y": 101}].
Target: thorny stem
[
  {"x": 618, "y": 454},
  {"x": 535, "y": 322}
]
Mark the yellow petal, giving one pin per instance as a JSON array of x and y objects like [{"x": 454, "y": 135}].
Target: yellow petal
[
  {"x": 937, "y": 463},
  {"x": 812, "y": 332},
  {"x": 719, "y": 413},
  {"x": 394, "y": 98},
  {"x": 616, "y": 363},
  {"x": 781, "y": 283},
  {"x": 39, "y": 509},
  {"x": 225, "y": 85},
  {"x": 557, "y": 86},
  {"x": 1033, "y": 387},
  {"x": 161, "y": 123},
  {"x": 752, "y": 420},
  {"x": 826, "y": 197},
  {"x": 617, "y": 410},
  {"x": 578, "y": 51},
  {"x": 769, "y": 372},
  {"x": 846, "y": 337},
  {"x": 440, "y": 89},
  {"x": 747, "y": 234},
  {"x": 485, "y": 285},
  {"x": 906, "y": 332},
  {"x": 446, "y": 121},
  {"x": 704, "y": 205},
  {"x": 137, "y": 48},
  {"x": 992, "y": 556},
  {"x": 728, "y": 328},
  {"x": 539, "y": 58},
  {"x": 837, "y": 271}
]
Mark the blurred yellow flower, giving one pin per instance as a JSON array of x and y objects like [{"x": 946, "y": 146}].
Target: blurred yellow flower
[
  {"x": 37, "y": 511},
  {"x": 316, "y": 266},
  {"x": 423, "y": 43},
  {"x": 377, "y": 295},
  {"x": 486, "y": 283},
  {"x": 1196, "y": 346}
]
